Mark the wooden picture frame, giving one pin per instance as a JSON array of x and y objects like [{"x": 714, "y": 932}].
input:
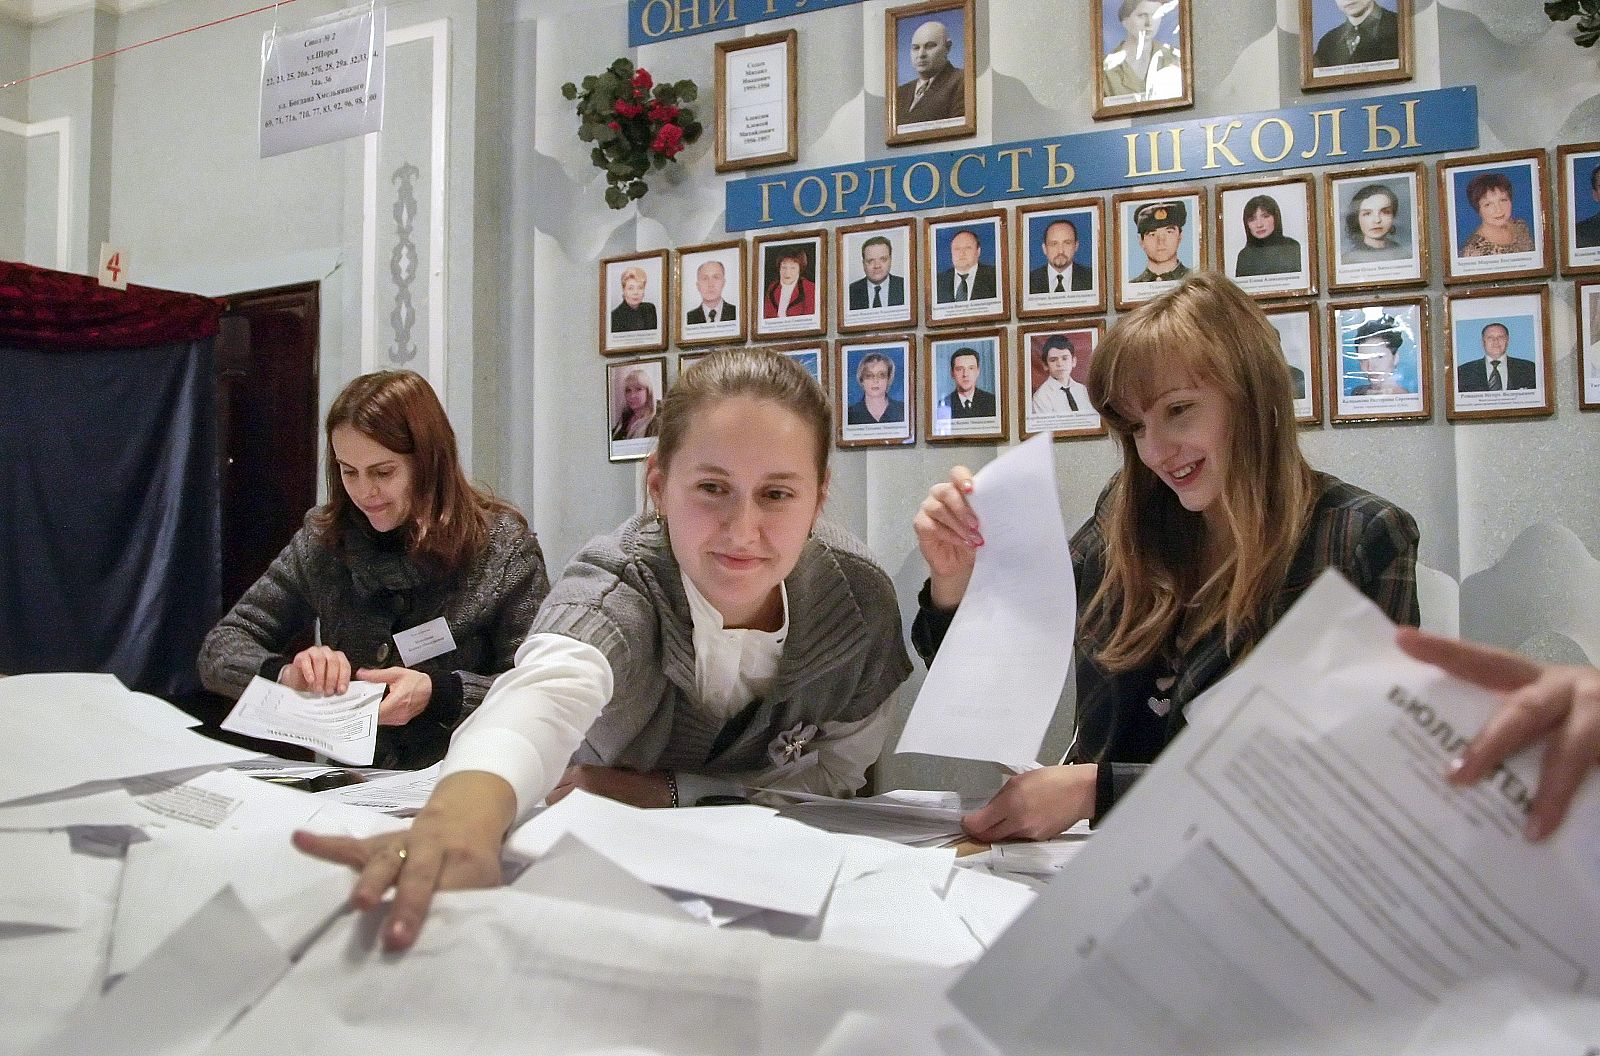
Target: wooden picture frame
[
  {"x": 1336, "y": 53},
  {"x": 694, "y": 321},
  {"x": 1527, "y": 379},
  {"x": 947, "y": 105},
  {"x": 1043, "y": 349},
  {"x": 1587, "y": 348},
  {"x": 1578, "y": 188},
  {"x": 950, "y": 268},
  {"x": 689, "y": 359},
  {"x": 1075, "y": 227},
  {"x": 1380, "y": 360},
  {"x": 861, "y": 258},
  {"x": 1377, "y": 224},
  {"x": 1275, "y": 263},
  {"x": 651, "y": 373},
  {"x": 805, "y": 313},
  {"x": 811, "y": 355},
  {"x": 855, "y": 363},
  {"x": 626, "y": 329},
  {"x": 1168, "y": 79},
  {"x": 986, "y": 416},
  {"x": 757, "y": 117},
  {"x": 1180, "y": 207},
  {"x": 1476, "y": 255},
  {"x": 1300, "y": 340}
]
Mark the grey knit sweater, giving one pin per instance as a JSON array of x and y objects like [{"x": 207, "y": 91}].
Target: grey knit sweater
[
  {"x": 623, "y": 594},
  {"x": 363, "y": 598}
]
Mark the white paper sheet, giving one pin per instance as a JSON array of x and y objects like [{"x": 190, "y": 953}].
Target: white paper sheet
[
  {"x": 63, "y": 731},
  {"x": 1039, "y": 859},
  {"x": 343, "y": 726},
  {"x": 774, "y": 864},
  {"x": 173, "y": 875},
  {"x": 987, "y": 905},
  {"x": 184, "y": 995},
  {"x": 224, "y": 800},
  {"x": 892, "y": 913},
  {"x": 38, "y": 881},
  {"x": 571, "y": 870},
  {"x": 1295, "y": 863},
  {"x": 401, "y": 794},
  {"x": 997, "y": 680}
]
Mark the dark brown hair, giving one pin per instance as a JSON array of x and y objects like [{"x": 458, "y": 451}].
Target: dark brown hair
[
  {"x": 450, "y": 517},
  {"x": 758, "y": 373}
]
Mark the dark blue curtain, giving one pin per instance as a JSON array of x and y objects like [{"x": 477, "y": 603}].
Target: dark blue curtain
[{"x": 109, "y": 512}]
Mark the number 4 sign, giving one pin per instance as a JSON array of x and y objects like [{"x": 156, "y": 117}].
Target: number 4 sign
[{"x": 113, "y": 267}]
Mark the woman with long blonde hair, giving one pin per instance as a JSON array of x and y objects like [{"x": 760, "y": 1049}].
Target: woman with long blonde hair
[{"x": 1214, "y": 526}]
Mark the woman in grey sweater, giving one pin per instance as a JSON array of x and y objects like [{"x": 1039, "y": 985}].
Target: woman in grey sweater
[
  {"x": 728, "y": 640},
  {"x": 404, "y": 544}
]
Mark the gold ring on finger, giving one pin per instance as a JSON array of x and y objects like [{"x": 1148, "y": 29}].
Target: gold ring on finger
[{"x": 401, "y": 851}]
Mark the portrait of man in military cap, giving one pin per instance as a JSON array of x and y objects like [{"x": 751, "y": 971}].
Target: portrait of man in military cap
[{"x": 1159, "y": 242}]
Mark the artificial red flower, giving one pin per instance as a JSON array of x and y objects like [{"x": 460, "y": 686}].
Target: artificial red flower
[
  {"x": 662, "y": 112},
  {"x": 627, "y": 109},
  {"x": 641, "y": 79},
  {"x": 668, "y": 142}
]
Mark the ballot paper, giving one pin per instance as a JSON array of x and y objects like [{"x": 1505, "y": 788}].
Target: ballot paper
[
  {"x": 892, "y": 816},
  {"x": 39, "y": 881},
  {"x": 401, "y": 794},
  {"x": 995, "y": 684},
  {"x": 343, "y": 726},
  {"x": 64, "y": 731},
  {"x": 1295, "y": 865},
  {"x": 894, "y": 912},
  {"x": 766, "y": 862}
]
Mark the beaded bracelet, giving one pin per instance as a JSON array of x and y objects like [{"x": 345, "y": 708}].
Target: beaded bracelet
[{"x": 672, "y": 787}]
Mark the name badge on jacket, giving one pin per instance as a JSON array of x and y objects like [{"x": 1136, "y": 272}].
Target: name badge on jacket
[{"x": 424, "y": 642}]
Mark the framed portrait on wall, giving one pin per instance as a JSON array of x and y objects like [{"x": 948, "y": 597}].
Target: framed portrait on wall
[
  {"x": 1267, "y": 236},
  {"x": 1145, "y": 56},
  {"x": 689, "y": 359},
  {"x": 875, "y": 404},
  {"x": 633, "y": 406},
  {"x": 877, "y": 270},
  {"x": 632, "y": 297},
  {"x": 1500, "y": 357},
  {"x": 1052, "y": 366},
  {"x": 966, "y": 268},
  {"x": 1344, "y": 42},
  {"x": 1588, "y": 351},
  {"x": 811, "y": 355},
  {"x": 1061, "y": 258},
  {"x": 757, "y": 122},
  {"x": 1299, "y": 340},
  {"x": 1161, "y": 238},
  {"x": 789, "y": 284},
  {"x": 708, "y": 283},
  {"x": 1578, "y": 180},
  {"x": 1495, "y": 223},
  {"x": 964, "y": 395},
  {"x": 930, "y": 71},
  {"x": 1379, "y": 367},
  {"x": 1377, "y": 227}
]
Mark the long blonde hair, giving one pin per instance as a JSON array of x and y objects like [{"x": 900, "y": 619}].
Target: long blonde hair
[{"x": 1152, "y": 592}]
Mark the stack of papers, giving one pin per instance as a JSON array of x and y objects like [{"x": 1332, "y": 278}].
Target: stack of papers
[
  {"x": 913, "y": 818},
  {"x": 343, "y": 726}
]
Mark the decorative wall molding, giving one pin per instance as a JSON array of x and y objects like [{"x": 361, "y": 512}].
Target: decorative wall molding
[
  {"x": 34, "y": 12},
  {"x": 436, "y": 33},
  {"x": 61, "y": 127}
]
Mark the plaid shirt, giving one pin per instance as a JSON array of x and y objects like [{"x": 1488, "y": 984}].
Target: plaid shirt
[{"x": 1371, "y": 541}]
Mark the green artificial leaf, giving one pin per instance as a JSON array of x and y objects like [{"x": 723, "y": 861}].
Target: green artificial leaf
[
  {"x": 637, "y": 190},
  {"x": 586, "y": 132},
  {"x": 622, "y": 68},
  {"x": 687, "y": 91},
  {"x": 597, "y": 158},
  {"x": 615, "y": 198},
  {"x": 569, "y": 90},
  {"x": 588, "y": 84}
]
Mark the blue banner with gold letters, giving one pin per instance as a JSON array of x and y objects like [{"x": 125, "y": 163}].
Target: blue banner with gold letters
[
  {"x": 1355, "y": 131},
  {"x": 652, "y": 21}
]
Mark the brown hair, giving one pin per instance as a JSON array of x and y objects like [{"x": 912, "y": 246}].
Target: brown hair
[
  {"x": 1152, "y": 593},
  {"x": 758, "y": 373},
  {"x": 450, "y": 517},
  {"x": 1485, "y": 182}
]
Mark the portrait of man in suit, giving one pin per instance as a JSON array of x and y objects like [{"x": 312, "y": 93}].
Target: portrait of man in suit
[
  {"x": 938, "y": 91},
  {"x": 966, "y": 400},
  {"x": 1587, "y": 230},
  {"x": 1496, "y": 371},
  {"x": 1060, "y": 392},
  {"x": 878, "y": 287},
  {"x": 966, "y": 279},
  {"x": 709, "y": 279},
  {"x": 1160, "y": 226},
  {"x": 1369, "y": 32},
  {"x": 1060, "y": 271}
]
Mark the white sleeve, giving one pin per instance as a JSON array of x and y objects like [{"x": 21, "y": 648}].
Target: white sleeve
[{"x": 534, "y": 717}]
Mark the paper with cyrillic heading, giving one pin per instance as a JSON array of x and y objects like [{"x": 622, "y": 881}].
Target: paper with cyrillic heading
[
  {"x": 343, "y": 726},
  {"x": 1296, "y": 858},
  {"x": 995, "y": 684},
  {"x": 323, "y": 83}
]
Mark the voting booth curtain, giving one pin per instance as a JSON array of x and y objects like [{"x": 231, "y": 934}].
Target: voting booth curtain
[{"x": 109, "y": 546}]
